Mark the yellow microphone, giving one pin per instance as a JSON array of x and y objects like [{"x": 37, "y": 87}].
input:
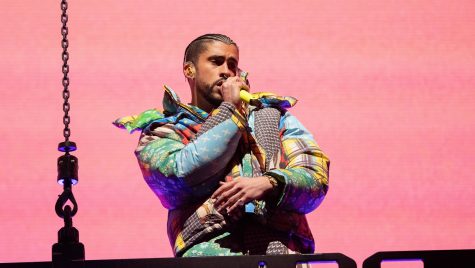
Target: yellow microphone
[{"x": 245, "y": 95}]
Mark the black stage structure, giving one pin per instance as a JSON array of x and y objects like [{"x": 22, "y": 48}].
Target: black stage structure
[{"x": 464, "y": 258}]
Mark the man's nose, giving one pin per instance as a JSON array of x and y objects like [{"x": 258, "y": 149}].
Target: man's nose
[{"x": 226, "y": 72}]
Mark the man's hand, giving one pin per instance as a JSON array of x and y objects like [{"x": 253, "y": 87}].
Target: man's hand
[
  {"x": 233, "y": 195},
  {"x": 230, "y": 90}
]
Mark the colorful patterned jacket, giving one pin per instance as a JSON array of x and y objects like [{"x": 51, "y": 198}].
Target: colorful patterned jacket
[{"x": 183, "y": 166}]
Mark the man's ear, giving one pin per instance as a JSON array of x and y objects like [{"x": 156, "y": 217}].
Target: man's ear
[{"x": 189, "y": 70}]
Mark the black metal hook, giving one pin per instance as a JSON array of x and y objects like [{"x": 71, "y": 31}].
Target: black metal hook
[{"x": 62, "y": 199}]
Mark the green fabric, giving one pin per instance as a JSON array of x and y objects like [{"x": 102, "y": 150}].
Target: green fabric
[
  {"x": 138, "y": 122},
  {"x": 211, "y": 248}
]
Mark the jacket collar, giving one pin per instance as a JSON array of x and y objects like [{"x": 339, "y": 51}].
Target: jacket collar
[
  {"x": 173, "y": 108},
  {"x": 173, "y": 105}
]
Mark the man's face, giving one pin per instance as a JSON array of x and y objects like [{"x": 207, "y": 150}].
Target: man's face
[{"x": 213, "y": 66}]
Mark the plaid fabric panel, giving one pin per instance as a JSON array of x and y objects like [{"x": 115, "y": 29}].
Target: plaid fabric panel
[
  {"x": 305, "y": 175},
  {"x": 267, "y": 132},
  {"x": 204, "y": 221}
]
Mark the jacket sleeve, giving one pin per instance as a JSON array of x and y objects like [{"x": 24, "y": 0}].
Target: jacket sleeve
[
  {"x": 179, "y": 173},
  {"x": 303, "y": 178}
]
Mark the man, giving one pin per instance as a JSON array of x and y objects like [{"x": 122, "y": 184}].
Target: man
[{"x": 236, "y": 178}]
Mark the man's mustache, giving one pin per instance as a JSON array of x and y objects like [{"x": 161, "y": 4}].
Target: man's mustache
[{"x": 220, "y": 80}]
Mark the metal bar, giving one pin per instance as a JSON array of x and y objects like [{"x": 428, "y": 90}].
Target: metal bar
[
  {"x": 463, "y": 258},
  {"x": 271, "y": 261}
]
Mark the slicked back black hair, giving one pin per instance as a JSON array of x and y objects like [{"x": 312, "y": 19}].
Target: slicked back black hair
[{"x": 197, "y": 46}]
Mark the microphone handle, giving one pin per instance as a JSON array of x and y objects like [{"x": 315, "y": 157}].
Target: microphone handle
[{"x": 247, "y": 98}]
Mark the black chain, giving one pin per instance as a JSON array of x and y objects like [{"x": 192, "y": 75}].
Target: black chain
[
  {"x": 65, "y": 67},
  {"x": 68, "y": 247}
]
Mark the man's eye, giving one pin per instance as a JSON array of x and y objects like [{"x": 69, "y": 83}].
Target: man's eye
[{"x": 217, "y": 61}]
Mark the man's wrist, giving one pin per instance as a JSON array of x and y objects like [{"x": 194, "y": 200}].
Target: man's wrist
[
  {"x": 273, "y": 193},
  {"x": 272, "y": 181}
]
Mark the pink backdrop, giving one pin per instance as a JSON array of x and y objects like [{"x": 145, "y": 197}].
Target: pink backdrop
[{"x": 387, "y": 88}]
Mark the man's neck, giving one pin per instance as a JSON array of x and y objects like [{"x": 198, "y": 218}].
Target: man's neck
[{"x": 203, "y": 104}]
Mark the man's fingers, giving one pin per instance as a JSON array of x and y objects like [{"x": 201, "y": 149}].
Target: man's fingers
[
  {"x": 227, "y": 198},
  {"x": 224, "y": 187},
  {"x": 238, "y": 204}
]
